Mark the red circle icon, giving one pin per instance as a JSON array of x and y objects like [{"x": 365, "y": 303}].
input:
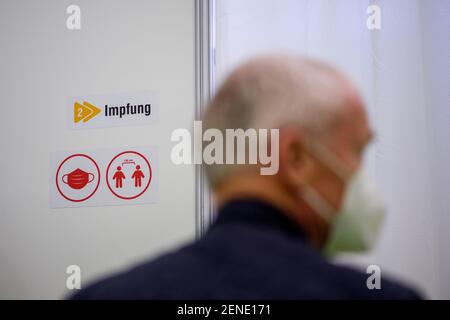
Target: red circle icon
[
  {"x": 75, "y": 182},
  {"x": 128, "y": 174}
]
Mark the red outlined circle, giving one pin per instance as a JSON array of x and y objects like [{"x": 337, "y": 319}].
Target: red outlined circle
[
  {"x": 57, "y": 173},
  {"x": 148, "y": 183}
]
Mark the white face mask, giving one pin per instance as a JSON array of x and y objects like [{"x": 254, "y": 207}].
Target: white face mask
[{"x": 356, "y": 225}]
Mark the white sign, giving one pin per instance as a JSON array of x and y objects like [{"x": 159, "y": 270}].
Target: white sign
[
  {"x": 103, "y": 177},
  {"x": 111, "y": 110}
]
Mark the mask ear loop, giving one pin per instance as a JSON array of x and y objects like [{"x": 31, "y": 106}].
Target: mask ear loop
[
  {"x": 328, "y": 158},
  {"x": 312, "y": 198},
  {"x": 320, "y": 206}
]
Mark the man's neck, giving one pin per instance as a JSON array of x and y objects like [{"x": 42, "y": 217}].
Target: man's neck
[{"x": 267, "y": 189}]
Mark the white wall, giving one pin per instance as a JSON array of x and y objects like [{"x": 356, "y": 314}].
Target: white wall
[
  {"x": 123, "y": 46},
  {"x": 436, "y": 43},
  {"x": 402, "y": 72}
]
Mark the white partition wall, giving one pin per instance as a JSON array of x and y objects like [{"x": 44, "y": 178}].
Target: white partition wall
[
  {"x": 123, "y": 46},
  {"x": 402, "y": 72}
]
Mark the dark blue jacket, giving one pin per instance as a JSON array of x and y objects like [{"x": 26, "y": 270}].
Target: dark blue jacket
[{"x": 252, "y": 251}]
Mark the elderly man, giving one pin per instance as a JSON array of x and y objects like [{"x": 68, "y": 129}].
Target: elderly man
[{"x": 274, "y": 233}]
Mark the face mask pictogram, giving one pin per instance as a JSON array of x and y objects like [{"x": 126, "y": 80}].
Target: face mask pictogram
[{"x": 78, "y": 179}]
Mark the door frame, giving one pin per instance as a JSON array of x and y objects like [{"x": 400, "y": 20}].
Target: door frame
[{"x": 204, "y": 87}]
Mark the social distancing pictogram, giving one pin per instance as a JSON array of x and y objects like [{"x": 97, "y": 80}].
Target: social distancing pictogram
[{"x": 128, "y": 175}]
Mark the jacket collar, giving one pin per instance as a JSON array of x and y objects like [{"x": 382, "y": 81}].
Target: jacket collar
[{"x": 257, "y": 213}]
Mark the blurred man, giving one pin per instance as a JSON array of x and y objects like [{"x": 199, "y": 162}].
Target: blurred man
[{"x": 273, "y": 233}]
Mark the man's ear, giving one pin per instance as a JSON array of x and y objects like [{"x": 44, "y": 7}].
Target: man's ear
[{"x": 295, "y": 163}]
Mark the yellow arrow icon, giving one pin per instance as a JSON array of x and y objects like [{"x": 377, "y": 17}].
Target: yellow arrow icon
[{"x": 85, "y": 111}]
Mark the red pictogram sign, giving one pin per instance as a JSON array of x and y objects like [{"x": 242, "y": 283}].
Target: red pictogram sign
[
  {"x": 77, "y": 177},
  {"x": 128, "y": 175}
]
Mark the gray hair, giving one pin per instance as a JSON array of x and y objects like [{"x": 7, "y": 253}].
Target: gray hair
[{"x": 273, "y": 92}]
